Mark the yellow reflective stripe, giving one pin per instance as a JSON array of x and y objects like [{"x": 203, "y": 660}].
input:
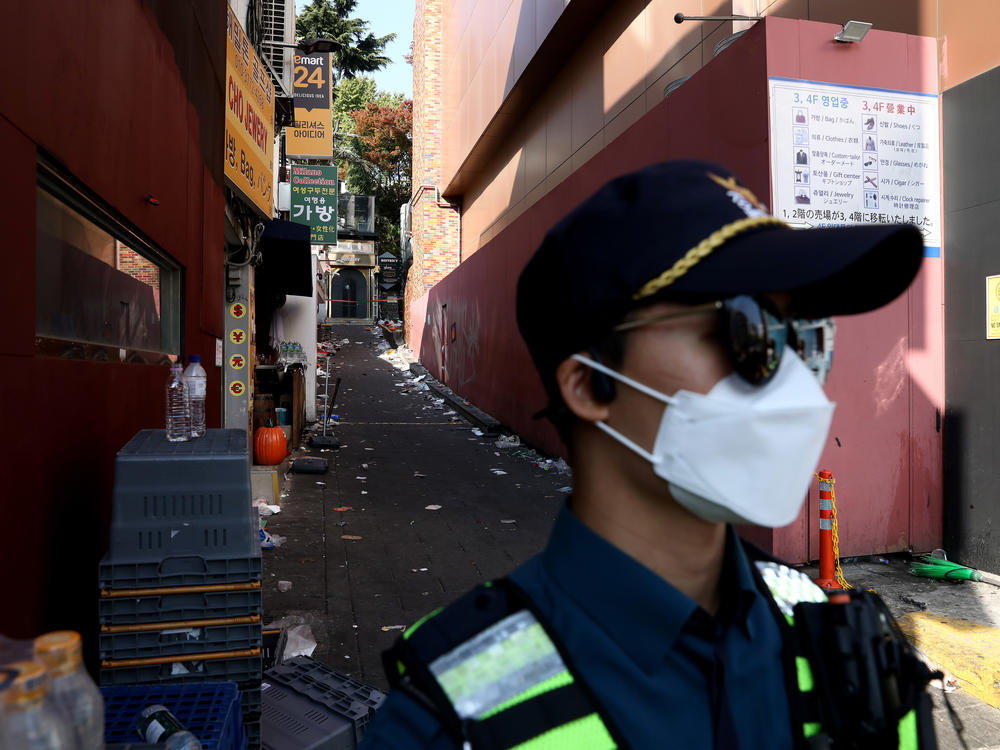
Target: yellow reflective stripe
[
  {"x": 909, "y": 737},
  {"x": 412, "y": 629},
  {"x": 811, "y": 727},
  {"x": 559, "y": 680},
  {"x": 805, "y": 674},
  {"x": 587, "y": 733}
]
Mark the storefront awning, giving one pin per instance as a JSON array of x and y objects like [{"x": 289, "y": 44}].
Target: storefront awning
[{"x": 287, "y": 258}]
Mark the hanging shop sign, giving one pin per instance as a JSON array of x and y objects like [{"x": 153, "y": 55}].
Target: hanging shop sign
[
  {"x": 314, "y": 201},
  {"x": 849, "y": 155},
  {"x": 312, "y": 134},
  {"x": 249, "y": 147},
  {"x": 350, "y": 253},
  {"x": 389, "y": 268}
]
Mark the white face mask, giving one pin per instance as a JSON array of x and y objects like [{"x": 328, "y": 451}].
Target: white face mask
[{"x": 740, "y": 453}]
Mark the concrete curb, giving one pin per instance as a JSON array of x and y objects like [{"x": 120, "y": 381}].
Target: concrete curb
[
  {"x": 482, "y": 420},
  {"x": 472, "y": 414}
]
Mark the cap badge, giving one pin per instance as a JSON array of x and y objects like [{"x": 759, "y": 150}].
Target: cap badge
[{"x": 741, "y": 196}]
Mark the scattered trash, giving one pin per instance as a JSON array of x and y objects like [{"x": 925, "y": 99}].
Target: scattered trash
[
  {"x": 369, "y": 449},
  {"x": 432, "y": 507},
  {"x": 298, "y": 638},
  {"x": 419, "y": 475},
  {"x": 343, "y": 508},
  {"x": 508, "y": 441},
  {"x": 321, "y": 484},
  {"x": 362, "y": 478},
  {"x": 266, "y": 509},
  {"x": 567, "y": 488},
  {"x": 364, "y": 492},
  {"x": 387, "y": 628},
  {"x": 498, "y": 472},
  {"x": 350, "y": 537},
  {"x": 284, "y": 586},
  {"x": 508, "y": 520},
  {"x": 477, "y": 432},
  {"x": 419, "y": 570},
  {"x": 364, "y": 466}
]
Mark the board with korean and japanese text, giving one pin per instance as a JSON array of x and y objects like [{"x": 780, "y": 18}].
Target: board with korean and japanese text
[{"x": 852, "y": 155}]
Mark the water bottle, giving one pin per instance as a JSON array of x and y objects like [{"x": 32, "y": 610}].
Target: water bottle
[
  {"x": 157, "y": 724},
  {"x": 71, "y": 691},
  {"x": 196, "y": 379},
  {"x": 178, "y": 409},
  {"x": 29, "y": 722}
]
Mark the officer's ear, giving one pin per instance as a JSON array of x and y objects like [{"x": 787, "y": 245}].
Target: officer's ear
[{"x": 576, "y": 386}]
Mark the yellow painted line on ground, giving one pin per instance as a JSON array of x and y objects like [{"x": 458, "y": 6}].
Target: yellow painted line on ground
[
  {"x": 437, "y": 423},
  {"x": 968, "y": 650}
]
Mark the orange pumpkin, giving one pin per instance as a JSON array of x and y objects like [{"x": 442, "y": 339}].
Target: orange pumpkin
[{"x": 269, "y": 446}]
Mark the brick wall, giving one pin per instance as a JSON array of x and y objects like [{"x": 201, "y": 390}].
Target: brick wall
[
  {"x": 141, "y": 269},
  {"x": 435, "y": 223}
]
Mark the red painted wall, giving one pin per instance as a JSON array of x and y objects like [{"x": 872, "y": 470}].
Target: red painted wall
[
  {"x": 889, "y": 462},
  {"x": 103, "y": 96}
]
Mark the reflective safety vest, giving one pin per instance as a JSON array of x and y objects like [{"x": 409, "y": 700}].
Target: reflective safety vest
[{"x": 499, "y": 679}]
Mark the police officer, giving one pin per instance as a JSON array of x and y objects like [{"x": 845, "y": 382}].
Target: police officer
[{"x": 647, "y": 622}]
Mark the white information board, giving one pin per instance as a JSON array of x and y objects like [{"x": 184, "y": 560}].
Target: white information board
[{"x": 851, "y": 155}]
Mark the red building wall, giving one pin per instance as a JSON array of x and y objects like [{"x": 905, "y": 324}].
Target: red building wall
[
  {"x": 888, "y": 461},
  {"x": 104, "y": 97}
]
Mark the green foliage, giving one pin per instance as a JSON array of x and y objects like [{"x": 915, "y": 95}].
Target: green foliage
[
  {"x": 360, "y": 50},
  {"x": 381, "y": 162}
]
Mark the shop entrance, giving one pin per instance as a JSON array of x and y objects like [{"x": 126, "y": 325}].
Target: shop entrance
[{"x": 349, "y": 294}]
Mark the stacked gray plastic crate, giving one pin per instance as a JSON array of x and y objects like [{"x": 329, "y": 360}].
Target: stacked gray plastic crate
[
  {"x": 180, "y": 597},
  {"x": 309, "y": 706}
]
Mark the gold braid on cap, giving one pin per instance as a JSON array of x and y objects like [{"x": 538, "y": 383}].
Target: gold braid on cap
[{"x": 700, "y": 251}]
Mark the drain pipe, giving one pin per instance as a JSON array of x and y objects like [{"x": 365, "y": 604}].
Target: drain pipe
[{"x": 441, "y": 203}]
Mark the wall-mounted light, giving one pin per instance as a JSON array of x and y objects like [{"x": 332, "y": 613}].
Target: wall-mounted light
[
  {"x": 853, "y": 31},
  {"x": 681, "y": 18}
]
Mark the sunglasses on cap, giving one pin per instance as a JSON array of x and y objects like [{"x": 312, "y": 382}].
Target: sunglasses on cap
[{"x": 757, "y": 334}]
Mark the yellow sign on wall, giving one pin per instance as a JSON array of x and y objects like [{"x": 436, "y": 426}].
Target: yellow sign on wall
[
  {"x": 993, "y": 307},
  {"x": 249, "y": 153},
  {"x": 312, "y": 134}
]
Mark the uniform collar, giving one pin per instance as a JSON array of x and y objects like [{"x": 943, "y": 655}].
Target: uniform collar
[{"x": 642, "y": 612}]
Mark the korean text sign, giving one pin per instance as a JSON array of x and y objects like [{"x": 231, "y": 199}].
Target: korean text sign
[
  {"x": 312, "y": 134},
  {"x": 851, "y": 155},
  {"x": 249, "y": 152},
  {"x": 314, "y": 201}
]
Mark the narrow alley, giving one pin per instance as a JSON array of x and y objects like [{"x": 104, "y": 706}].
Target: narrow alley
[{"x": 418, "y": 505}]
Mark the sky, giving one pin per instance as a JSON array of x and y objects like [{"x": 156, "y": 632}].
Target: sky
[{"x": 386, "y": 17}]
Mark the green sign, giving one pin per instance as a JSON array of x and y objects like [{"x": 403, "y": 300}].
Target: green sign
[{"x": 314, "y": 201}]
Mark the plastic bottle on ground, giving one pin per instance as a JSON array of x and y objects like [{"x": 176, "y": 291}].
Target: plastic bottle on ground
[
  {"x": 196, "y": 379},
  {"x": 178, "y": 409},
  {"x": 157, "y": 724},
  {"x": 71, "y": 690},
  {"x": 29, "y": 721}
]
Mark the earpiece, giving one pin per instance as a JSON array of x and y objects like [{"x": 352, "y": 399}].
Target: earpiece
[{"x": 602, "y": 386}]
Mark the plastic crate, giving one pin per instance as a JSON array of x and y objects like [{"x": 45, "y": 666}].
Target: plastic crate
[
  {"x": 175, "y": 642},
  {"x": 253, "y": 734},
  {"x": 172, "y": 607},
  {"x": 240, "y": 669},
  {"x": 309, "y": 705},
  {"x": 181, "y": 570},
  {"x": 250, "y": 698},
  {"x": 209, "y": 711},
  {"x": 187, "y": 498},
  {"x": 273, "y": 645}
]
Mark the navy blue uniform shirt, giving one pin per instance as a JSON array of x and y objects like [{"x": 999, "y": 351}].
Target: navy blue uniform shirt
[{"x": 669, "y": 674}]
